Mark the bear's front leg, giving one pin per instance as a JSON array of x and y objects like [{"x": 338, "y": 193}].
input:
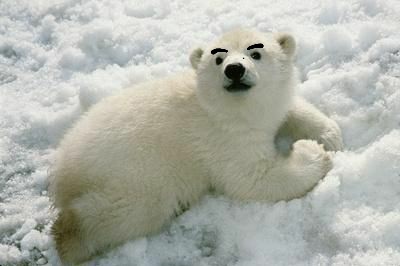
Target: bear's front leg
[
  {"x": 295, "y": 175},
  {"x": 284, "y": 178},
  {"x": 304, "y": 121}
]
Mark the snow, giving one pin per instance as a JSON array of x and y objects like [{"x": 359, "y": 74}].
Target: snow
[{"x": 57, "y": 58}]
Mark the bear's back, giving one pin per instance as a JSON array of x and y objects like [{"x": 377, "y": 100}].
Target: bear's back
[{"x": 143, "y": 127}]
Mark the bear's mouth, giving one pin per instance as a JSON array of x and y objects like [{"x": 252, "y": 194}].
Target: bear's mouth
[{"x": 237, "y": 86}]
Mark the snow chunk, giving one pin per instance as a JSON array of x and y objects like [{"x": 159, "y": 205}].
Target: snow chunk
[
  {"x": 371, "y": 7},
  {"x": 9, "y": 255},
  {"x": 337, "y": 41},
  {"x": 368, "y": 35},
  {"x": 27, "y": 227},
  {"x": 384, "y": 46},
  {"x": 73, "y": 59},
  {"x": 35, "y": 239},
  {"x": 158, "y": 9},
  {"x": 332, "y": 12}
]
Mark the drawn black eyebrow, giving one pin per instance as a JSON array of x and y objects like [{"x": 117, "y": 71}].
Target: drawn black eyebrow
[
  {"x": 257, "y": 45},
  {"x": 216, "y": 50}
]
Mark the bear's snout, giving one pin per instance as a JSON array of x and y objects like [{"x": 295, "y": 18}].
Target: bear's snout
[
  {"x": 234, "y": 71},
  {"x": 235, "y": 80}
]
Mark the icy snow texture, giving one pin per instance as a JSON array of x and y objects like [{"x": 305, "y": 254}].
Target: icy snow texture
[{"x": 57, "y": 58}]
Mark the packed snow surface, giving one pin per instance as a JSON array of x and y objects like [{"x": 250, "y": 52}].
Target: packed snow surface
[{"x": 58, "y": 57}]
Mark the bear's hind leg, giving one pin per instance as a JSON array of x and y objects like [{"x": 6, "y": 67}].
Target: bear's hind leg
[
  {"x": 98, "y": 221},
  {"x": 67, "y": 235}
]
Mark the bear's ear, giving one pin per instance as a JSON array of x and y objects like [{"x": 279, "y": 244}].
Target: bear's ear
[
  {"x": 195, "y": 57},
  {"x": 287, "y": 43}
]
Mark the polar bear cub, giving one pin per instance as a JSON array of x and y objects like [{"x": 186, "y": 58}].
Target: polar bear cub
[{"x": 134, "y": 159}]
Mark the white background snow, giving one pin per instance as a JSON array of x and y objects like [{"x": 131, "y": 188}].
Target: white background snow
[{"x": 59, "y": 57}]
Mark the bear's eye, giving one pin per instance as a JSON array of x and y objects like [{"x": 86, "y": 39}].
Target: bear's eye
[
  {"x": 256, "y": 55},
  {"x": 219, "y": 60}
]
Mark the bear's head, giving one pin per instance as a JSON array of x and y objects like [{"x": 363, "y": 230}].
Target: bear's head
[{"x": 245, "y": 74}]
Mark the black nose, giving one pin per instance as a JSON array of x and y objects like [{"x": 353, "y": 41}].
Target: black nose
[{"x": 234, "y": 71}]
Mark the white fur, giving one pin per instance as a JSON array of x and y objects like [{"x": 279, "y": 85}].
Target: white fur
[{"x": 136, "y": 158}]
